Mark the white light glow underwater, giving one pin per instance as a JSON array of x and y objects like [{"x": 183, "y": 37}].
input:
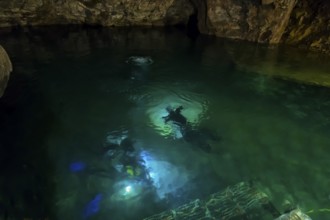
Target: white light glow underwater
[
  {"x": 127, "y": 189},
  {"x": 166, "y": 177}
]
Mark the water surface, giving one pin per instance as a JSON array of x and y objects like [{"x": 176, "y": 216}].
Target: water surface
[{"x": 73, "y": 91}]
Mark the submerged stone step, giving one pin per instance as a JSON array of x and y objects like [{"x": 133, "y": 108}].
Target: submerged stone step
[
  {"x": 234, "y": 202},
  {"x": 241, "y": 201}
]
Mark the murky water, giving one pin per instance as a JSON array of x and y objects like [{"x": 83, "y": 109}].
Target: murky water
[{"x": 77, "y": 97}]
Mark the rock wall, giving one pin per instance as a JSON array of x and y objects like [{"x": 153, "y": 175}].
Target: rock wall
[
  {"x": 254, "y": 20},
  {"x": 303, "y": 22},
  {"x": 5, "y": 69},
  {"x": 95, "y": 12},
  {"x": 309, "y": 25}
]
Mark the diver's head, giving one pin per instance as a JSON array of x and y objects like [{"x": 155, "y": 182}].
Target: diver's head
[{"x": 179, "y": 109}]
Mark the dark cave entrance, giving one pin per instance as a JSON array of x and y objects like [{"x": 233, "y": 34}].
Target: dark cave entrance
[{"x": 192, "y": 26}]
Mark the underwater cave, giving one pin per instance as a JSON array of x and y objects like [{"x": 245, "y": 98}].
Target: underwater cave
[{"x": 176, "y": 109}]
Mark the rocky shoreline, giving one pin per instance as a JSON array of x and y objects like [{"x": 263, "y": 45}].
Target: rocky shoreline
[{"x": 303, "y": 23}]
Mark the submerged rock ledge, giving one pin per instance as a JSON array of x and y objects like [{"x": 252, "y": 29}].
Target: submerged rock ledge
[
  {"x": 283, "y": 62},
  {"x": 5, "y": 69}
]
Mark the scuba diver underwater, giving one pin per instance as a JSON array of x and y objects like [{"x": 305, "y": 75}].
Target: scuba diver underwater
[
  {"x": 199, "y": 137},
  {"x": 119, "y": 178},
  {"x": 124, "y": 158}
]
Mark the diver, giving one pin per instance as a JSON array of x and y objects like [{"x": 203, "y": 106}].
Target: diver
[
  {"x": 198, "y": 137},
  {"x": 125, "y": 146},
  {"x": 126, "y": 160},
  {"x": 175, "y": 116},
  {"x": 122, "y": 163},
  {"x": 139, "y": 68}
]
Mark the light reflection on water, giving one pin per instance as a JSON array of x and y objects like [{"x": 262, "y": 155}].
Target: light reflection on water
[
  {"x": 195, "y": 107},
  {"x": 271, "y": 131}
]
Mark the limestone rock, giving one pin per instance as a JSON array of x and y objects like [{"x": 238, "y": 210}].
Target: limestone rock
[
  {"x": 304, "y": 22},
  {"x": 267, "y": 2},
  {"x": 309, "y": 26},
  {"x": 5, "y": 69},
  {"x": 95, "y": 12},
  {"x": 259, "y": 21}
]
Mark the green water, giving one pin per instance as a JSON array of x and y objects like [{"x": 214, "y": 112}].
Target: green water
[{"x": 71, "y": 88}]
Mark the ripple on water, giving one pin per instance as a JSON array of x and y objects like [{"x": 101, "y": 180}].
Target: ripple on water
[{"x": 155, "y": 100}]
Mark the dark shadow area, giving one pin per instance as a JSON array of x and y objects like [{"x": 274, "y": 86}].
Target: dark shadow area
[
  {"x": 26, "y": 182},
  {"x": 192, "y": 26}
]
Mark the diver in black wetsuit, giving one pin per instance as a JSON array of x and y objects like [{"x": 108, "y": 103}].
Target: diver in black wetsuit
[
  {"x": 175, "y": 116},
  {"x": 198, "y": 137}
]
